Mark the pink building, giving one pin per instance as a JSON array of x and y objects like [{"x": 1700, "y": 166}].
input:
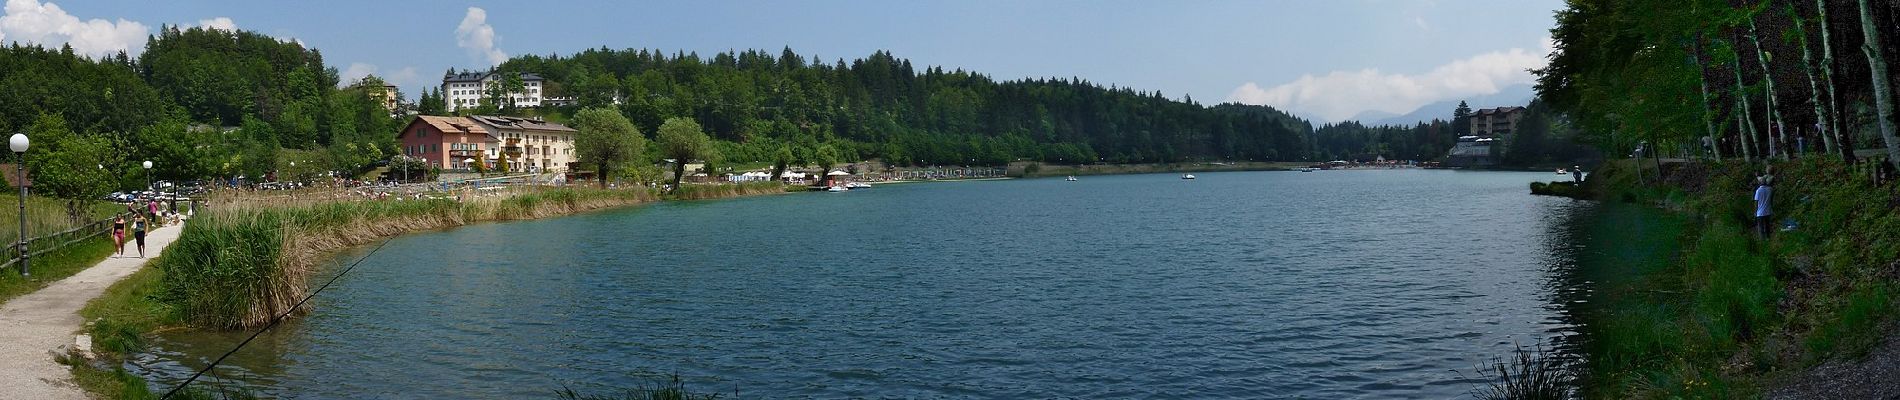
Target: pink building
[{"x": 447, "y": 142}]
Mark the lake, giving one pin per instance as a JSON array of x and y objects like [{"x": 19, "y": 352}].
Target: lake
[{"x": 1330, "y": 284}]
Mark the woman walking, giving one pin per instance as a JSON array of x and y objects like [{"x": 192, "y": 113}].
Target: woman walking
[
  {"x": 118, "y": 234},
  {"x": 138, "y": 233}
]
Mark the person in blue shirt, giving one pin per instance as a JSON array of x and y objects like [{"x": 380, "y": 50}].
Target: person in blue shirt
[{"x": 1763, "y": 214}]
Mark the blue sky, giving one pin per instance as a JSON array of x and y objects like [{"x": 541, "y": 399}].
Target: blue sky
[{"x": 1330, "y": 59}]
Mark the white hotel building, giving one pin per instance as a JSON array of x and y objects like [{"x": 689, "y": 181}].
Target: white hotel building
[{"x": 463, "y": 90}]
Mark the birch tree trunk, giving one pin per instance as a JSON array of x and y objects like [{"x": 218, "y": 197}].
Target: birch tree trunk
[
  {"x": 1777, "y": 134},
  {"x": 1708, "y": 120},
  {"x": 1747, "y": 122},
  {"x": 1821, "y": 112},
  {"x": 1883, "y": 83},
  {"x": 1841, "y": 141}
]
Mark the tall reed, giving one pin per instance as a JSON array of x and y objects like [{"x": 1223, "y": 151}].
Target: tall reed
[{"x": 240, "y": 267}]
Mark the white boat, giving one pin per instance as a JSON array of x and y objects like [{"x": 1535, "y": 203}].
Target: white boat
[
  {"x": 1071, "y": 178},
  {"x": 1561, "y": 171},
  {"x": 857, "y": 185},
  {"x": 836, "y": 189},
  {"x": 1187, "y": 176},
  {"x": 1308, "y": 169}
]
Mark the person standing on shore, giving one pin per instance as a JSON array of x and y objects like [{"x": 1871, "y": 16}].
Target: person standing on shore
[
  {"x": 1576, "y": 174},
  {"x": 138, "y": 233},
  {"x": 1763, "y": 214}
]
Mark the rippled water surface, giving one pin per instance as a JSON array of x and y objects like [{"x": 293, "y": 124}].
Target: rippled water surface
[{"x": 1236, "y": 285}]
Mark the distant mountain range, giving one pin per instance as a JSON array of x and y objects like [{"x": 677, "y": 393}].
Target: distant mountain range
[{"x": 1517, "y": 95}]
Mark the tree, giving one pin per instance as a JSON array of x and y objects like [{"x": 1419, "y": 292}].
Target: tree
[
  {"x": 781, "y": 157},
  {"x": 1778, "y": 134},
  {"x": 177, "y": 150},
  {"x": 258, "y": 153},
  {"x": 69, "y": 165},
  {"x": 1461, "y": 118},
  {"x": 432, "y": 103},
  {"x": 1750, "y": 135},
  {"x": 606, "y": 139},
  {"x": 825, "y": 156},
  {"x": 1821, "y": 109},
  {"x": 1832, "y": 126},
  {"x": 1883, "y": 83},
  {"x": 683, "y": 140}
]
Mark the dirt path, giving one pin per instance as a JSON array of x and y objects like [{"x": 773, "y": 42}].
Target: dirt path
[
  {"x": 1876, "y": 376},
  {"x": 32, "y": 326}
]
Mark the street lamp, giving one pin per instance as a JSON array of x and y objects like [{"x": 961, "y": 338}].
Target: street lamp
[
  {"x": 18, "y": 144},
  {"x": 148, "y": 177}
]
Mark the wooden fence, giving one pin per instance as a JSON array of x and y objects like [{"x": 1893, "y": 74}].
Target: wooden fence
[{"x": 41, "y": 245}]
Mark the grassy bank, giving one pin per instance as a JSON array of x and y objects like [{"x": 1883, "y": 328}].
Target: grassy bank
[
  {"x": 53, "y": 266},
  {"x": 703, "y": 192},
  {"x": 1689, "y": 303}
]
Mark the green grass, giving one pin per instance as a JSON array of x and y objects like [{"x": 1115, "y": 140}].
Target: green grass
[
  {"x": 46, "y": 216},
  {"x": 116, "y": 383},
  {"x": 53, "y": 266},
  {"x": 119, "y": 384},
  {"x": 119, "y": 319}
]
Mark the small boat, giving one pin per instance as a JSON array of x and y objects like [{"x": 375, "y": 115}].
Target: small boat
[
  {"x": 857, "y": 185},
  {"x": 1561, "y": 171},
  {"x": 1187, "y": 176},
  {"x": 1071, "y": 178},
  {"x": 836, "y": 189},
  {"x": 1308, "y": 169}
]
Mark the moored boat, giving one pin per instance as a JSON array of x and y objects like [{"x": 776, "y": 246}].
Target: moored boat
[{"x": 1187, "y": 176}]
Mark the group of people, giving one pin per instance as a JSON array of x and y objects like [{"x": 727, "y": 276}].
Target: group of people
[{"x": 139, "y": 225}]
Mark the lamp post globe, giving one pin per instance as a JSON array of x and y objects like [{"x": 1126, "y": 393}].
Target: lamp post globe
[
  {"x": 18, "y": 143},
  {"x": 148, "y": 176}
]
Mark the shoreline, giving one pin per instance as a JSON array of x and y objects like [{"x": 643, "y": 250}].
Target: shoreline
[
  {"x": 128, "y": 309},
  {"x": 1039, "y": 170},
  {"x": 1694, "y": 289}
]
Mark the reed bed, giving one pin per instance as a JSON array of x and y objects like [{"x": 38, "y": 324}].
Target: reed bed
[
  {"x": 238, "y": 267},
  {"x": 720, "y": 191}
]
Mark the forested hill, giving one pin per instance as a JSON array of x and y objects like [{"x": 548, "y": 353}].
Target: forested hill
[
  {"x": 206, "y": 103},
  {"x": 883, "y": 107},
  {"x": 94, "y": 121}
]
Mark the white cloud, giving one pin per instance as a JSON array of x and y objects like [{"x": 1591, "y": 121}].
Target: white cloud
[
  {"x": 219, "y": 23},
  {"x": 357, "y": 70},
  {"x": 1341, "y": 94},
  {"x": 476, "y": 36},
  {"x": 1420, "y": 21},
  {"x": 46, "y": 24}
]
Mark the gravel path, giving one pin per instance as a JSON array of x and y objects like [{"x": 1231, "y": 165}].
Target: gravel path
[
  {"x": 32, "y": 326},
  {"x": 1876, "y": 376}
]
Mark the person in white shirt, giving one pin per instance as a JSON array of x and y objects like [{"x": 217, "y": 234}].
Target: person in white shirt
[{"x": 1763, "y": 214}]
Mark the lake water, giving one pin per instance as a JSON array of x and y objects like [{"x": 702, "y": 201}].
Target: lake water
[{"x": 1331, "y": 284}]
